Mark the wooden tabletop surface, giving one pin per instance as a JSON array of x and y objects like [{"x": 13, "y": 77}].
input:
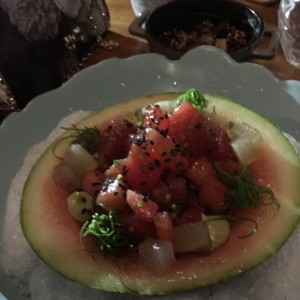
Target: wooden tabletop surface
[{"x": 122, "y": 16}]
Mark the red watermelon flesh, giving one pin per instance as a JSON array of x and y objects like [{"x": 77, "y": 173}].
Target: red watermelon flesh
[{"x": 55, "y": 237}]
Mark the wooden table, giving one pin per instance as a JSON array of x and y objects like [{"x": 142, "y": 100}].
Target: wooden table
[{"x": 122, "y": 15}]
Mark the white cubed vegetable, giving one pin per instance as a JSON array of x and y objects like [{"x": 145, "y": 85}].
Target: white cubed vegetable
[
  {"x": 246, "y": 142},
  {"x": 81, "y": 160},
  {"x": 218, "y": 228},
  {"x": 244, "y": 150},
  {"x": 157, "y": 255},
  {"x": 167, "y": 105},
  {"x": 245, "y": 130},
  {"x": 191, "y": 237}
]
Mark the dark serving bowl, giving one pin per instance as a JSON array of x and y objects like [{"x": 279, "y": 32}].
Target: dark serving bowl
[{"x": 184, "y": 16}]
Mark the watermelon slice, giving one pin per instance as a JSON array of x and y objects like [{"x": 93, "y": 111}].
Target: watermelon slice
[{"x": 55, "y": 236}]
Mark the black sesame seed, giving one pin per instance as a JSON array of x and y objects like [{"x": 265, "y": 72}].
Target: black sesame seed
[
  {"x": 157, "y": 163},
  {"x": 137, "y": 140},
  {"x": 109, "y": 127},
  {"x": 151, "y": 166},
  {"x": 122, "y": 186},
  {"x": 172, "y": 152},
  {"x": 145, "y": 197},
  {"x": 164, "y": 153},
  {"x": 212, "y": 132},
  {"x": 164, "y": 133}
]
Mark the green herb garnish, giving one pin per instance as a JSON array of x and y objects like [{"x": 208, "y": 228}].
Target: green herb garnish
[
  {"x": 116, "y": 163},
  {"x": 87, "y": 137},
  {"x": 243, "y": 191},
  {"x": 194, "y": 97},
  {"x": 107, "y": 232},
  {"x": 244, "y": 219}
]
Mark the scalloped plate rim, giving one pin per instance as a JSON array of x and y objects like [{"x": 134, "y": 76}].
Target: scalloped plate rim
[{"x": 166, "y": 77}]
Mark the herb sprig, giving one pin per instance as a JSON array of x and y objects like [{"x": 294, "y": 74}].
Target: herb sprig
[
  {"x": 194, "y": 97},
  {"x": 243, "y": 190},
  {"x": 87, "y": 137},
  {"x": 107, "y": 232}
]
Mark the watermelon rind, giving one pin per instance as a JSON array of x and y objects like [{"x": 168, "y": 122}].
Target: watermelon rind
[{"x": 55, "y": 237}]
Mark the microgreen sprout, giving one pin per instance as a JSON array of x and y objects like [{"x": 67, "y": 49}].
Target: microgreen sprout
[
  {"x": 107, "y": 232},
  {"x": 194, "y": 97},
  {"x": 116, "y": 163}
]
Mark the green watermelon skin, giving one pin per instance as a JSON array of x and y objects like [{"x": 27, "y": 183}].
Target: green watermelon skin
[{"x": 55, "y": 237}]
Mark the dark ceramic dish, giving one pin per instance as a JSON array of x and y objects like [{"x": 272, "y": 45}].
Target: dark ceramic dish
[{"x": 186, "y": 14}]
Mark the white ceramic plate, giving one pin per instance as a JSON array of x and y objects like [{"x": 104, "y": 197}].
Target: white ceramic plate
[{"x": 206, "y": 68}]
